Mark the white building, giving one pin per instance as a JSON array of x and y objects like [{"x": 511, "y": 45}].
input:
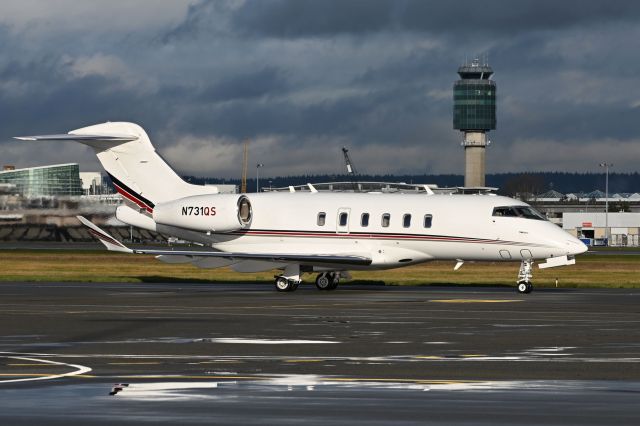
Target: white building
[
  {"x": 623, "y": 227},
  {"x": 91, "y": 182}
]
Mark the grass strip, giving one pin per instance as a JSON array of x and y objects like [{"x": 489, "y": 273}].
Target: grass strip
[{"x": 593, "y": 270}]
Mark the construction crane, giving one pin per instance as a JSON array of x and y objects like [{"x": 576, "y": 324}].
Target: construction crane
[
  {"x": 351, "y": 170},
  {"x": 245, "y": 160}
]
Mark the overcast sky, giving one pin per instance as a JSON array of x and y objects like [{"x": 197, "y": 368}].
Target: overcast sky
[{"x": 302, "y": 78}]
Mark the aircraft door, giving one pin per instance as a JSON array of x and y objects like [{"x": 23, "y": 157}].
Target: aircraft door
[{"x": 342, "y": 221}]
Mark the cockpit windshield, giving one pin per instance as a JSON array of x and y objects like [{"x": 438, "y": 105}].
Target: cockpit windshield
[{"x": 519, "y": 211}]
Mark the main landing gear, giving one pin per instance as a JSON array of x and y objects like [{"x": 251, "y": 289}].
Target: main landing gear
[
  {"x": 290, "y": 279},
  {"x": 284, "y": 284},
  {"x": 524, "y": 277},
  {"x": 327, "y": 280}
]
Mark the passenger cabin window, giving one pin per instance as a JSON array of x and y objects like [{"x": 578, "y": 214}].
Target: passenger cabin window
[
  {"x": 386, "y": 218},
  {"x": 322, "y": 216},
  {"x": 427, "y": 220},
  {"x": 364, "y": 220},
  {"x": 343, "y": 219},
  {"x": 406, "y": 220},
  {"x": 518, "y": 211}
]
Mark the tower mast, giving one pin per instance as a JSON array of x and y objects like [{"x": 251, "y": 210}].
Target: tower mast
[{"x": 245, "y": 160}]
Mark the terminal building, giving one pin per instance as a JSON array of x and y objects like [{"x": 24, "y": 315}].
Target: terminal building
[{"x": 45, "y": 181}]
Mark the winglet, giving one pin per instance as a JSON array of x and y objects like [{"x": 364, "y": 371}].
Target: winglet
[{"x": 111, "y": 243}]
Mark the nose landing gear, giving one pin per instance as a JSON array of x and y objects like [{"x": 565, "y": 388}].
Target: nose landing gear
[{"x": 524, "y": 277}]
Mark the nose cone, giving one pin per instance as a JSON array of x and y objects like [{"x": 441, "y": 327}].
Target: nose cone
[
  {"x": 565, "y": 243},
  {"x": 575, "y": 246}
]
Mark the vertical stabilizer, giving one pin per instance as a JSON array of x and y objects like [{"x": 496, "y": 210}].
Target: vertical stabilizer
[{"x": 134, "y": 166}]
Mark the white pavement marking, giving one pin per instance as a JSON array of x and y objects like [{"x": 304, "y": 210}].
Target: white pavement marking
[
  {"x": 269, "y": 341},
  {"x": 79, "y": 369}
]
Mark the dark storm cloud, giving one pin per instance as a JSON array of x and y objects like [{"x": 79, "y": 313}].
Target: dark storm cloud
[
  {"x": 309, "y": 18},
  {"x": 251, "y": 119},
  {"x": 49, "y": 101},
  {"x": 255, "y": 84},
  {"x": 302, "y": 78}
]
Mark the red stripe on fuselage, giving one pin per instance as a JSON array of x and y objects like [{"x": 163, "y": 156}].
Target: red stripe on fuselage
[
  {"x": 133, "y": 198},
  {"x": 418, "y": 237}
]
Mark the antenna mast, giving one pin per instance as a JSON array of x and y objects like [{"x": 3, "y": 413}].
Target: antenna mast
[
  {"x": 351, "y": 170},
  {"x": 245, "y": 158}
]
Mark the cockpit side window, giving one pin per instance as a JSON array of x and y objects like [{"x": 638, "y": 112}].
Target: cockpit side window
[
  {"x": 518, "y": 211},
  {"x": 530, "y": 213},
  {"x": 505, "y": 211}
]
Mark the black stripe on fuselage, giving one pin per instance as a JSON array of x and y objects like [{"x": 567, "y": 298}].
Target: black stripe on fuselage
[{"x": 130, "y": 191}]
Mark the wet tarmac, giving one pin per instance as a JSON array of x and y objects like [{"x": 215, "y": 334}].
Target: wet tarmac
[{"x": 244, "y": 354}]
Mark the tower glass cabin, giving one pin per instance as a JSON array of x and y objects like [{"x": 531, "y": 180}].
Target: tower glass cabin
[{"x": 474, "y": 98}]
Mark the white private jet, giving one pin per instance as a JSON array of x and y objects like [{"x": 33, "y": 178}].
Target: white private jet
[{"x": 323, "y": 232}]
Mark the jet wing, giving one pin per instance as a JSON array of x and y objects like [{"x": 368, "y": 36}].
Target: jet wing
[{"x": 311, "y": 259}]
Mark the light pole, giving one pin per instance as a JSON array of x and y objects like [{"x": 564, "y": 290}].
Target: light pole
[
  {"x": 606, "y": 200},
  {"x": 258, "y": 176}
]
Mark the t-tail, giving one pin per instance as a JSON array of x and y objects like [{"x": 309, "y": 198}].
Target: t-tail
[{"x": 137, "y": 171}]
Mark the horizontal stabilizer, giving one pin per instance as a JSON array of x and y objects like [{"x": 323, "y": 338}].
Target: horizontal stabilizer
[{"x": 78, "y": 138}]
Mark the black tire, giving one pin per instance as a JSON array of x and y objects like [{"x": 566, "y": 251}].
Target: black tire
[
  {"x": 523, "y": 287},
  {"x": 283, "y": 284},
  {"x": 323, "y": 282}
]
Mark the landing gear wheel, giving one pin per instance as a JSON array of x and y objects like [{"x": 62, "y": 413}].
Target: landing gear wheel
[
  {"x": 522, "y": 287},
  {"x": 525, "y": 274},
  {"x": 283, "y": 284},
  {"x": 525, "y": 287},
  {"x": 335, "y": 280},
  {"x": 323, "y": 281}
]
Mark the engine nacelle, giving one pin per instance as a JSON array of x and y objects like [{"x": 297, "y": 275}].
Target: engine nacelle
[{"x": 216, "y": 213}]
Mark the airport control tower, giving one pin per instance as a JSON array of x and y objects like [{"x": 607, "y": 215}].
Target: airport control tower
[{"x": 474, "y": 113}]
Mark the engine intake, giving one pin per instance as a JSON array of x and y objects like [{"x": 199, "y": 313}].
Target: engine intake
[{"x": 217, "y": 212}]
